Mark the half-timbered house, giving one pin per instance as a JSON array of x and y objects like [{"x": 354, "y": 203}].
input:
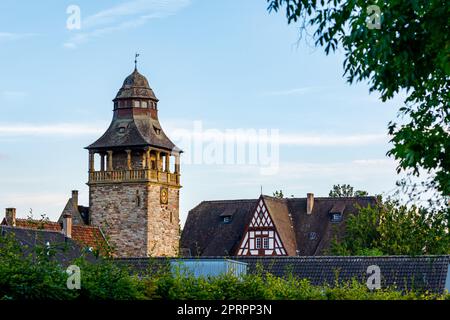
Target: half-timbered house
[{"x": 268, "y": 226}]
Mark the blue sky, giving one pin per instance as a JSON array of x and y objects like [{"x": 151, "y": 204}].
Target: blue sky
[{"x": 229, "y": 64}]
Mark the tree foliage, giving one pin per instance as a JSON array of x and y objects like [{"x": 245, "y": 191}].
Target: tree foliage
[
  {"x": 410, "y": 53},
  {"x": 278, "y": 194},
  {"x": 393, "y": 229},
  {"x": 39, "y": 277},
  {"x": 346, "y": 190}
]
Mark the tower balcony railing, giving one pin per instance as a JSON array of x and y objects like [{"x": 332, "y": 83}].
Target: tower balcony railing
[{"x": 137, "y": 175}]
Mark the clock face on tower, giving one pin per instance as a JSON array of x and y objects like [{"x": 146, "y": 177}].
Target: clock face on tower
[{"x": 164, "y": 199}]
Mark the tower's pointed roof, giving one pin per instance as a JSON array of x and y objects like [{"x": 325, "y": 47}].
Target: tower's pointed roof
[
  {"x": 134, "y": 126},
  {"x": 135, "y": 86}
]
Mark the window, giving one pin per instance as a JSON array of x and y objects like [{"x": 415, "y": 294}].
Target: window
[
  {"x": 266, "y": 243},
  {"x": 312, "y": 236},
  {"x": 336, "y": 217},
  {"x": 136, "y": 104},
  {"x": 258, "y": 243},
  {"x": 144, "y": 104},
  {"x": 138, "y": 199},
  {"x": 227, "y": 219}
]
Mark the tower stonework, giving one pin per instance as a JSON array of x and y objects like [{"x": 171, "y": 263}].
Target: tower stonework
[{"x": 134, "y": 191}]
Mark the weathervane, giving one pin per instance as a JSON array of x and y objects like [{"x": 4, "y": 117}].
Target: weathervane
[{"x": 135, "y": 60}]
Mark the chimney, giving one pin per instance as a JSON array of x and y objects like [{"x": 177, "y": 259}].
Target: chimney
[
  {"x": 10, "y": 216},
  {"x": 75, "y": 198},
  {"x": 67, "y": 225},
  {"x": 309, "y": 203}
]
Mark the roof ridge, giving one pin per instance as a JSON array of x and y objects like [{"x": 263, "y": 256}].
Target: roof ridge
[
  {"x": 274, "y": 198},
  {"x": 38, "y": 221},
  {"x": 33, "y": 229},
  {"x": 333, "y": 198},
  {"x": 228, "y": 200},
  {"x": 85, "y": 226}
]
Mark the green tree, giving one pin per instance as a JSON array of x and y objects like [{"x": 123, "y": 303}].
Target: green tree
[
  {"x": 278, "y": 194},
  {"x": 410, "y": 52},
  {"x": 394, "y": 229},
  {"x": 346, "y": 190}
]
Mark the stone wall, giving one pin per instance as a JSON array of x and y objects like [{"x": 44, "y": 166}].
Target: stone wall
[
  {"x": 134, "y": 221},
  {"x": 164, "y": 223}
]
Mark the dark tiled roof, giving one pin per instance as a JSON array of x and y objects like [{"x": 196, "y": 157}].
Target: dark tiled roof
[
  {"x": 80, "y": 214},
  {"x": 134, "y": 129},
  {"x": 85, "y": 236},
  {"x": 135, "y": 86},
  {"x": 84, "y": 213},
  {"x": 205, "y": 233},
  {"x": 319, "y": 221},
  {"x": 403, "y": 272},
  {"x": 65, "y": 249},
  {"x": 139, "y": 131}
]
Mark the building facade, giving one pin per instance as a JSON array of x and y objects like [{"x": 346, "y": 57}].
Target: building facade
[
  {"x": 134, "y": 177},
  {"x": 268, "y": 226}
]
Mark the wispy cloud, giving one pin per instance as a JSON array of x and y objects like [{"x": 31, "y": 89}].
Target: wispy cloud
[
  {"x": 50, "y": 129},
  {"x": 356, "y": 171},
  {"x": 127, "y": 15},
  {"x": 292, "y": 139},
  {"x": 10, "y": 36},
  {"x": 187, "y": 133},
  {"x": 328, "y": 140},
  {"x": 13, "y": 95}
]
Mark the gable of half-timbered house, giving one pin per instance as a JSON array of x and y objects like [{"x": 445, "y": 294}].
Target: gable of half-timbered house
[{"x": 261, "y": 237}]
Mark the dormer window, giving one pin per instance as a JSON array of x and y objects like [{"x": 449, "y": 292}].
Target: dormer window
[
  {"x": 312, "y": 236},
  {"x": 337, "y": 211},
  {"x": 227, "y": 215},
  {"x": 226, "y": 219},
  {"x": 336, "y": 217},
  {"x": 157, "y": 130}
]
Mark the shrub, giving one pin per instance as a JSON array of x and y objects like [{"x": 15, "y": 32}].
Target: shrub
[{"x": 38, "y": 276}]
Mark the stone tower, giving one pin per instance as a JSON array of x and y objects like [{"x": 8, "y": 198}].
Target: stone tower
[{"x": 134, "y": 191}]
